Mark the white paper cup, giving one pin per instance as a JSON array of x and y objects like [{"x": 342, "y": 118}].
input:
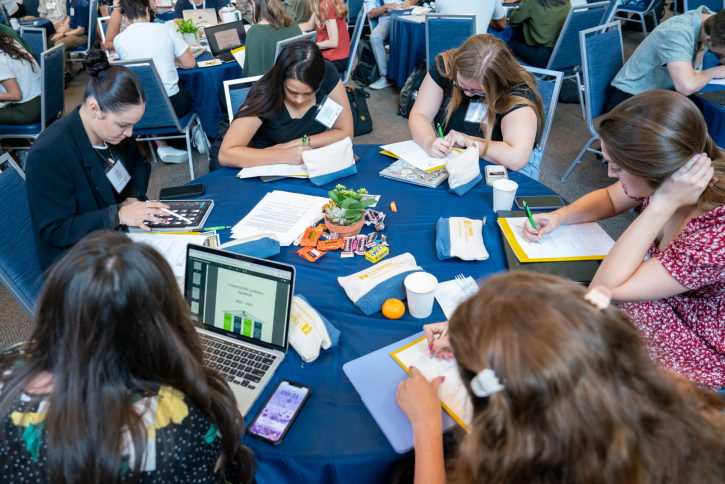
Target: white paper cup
[
  {"x": 420, "y": 288},
  {"x": 14, "y": 24},
  {"x": 504, "y": 192}
]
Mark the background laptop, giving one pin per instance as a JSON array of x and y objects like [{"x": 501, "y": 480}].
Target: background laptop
[
  {"x": 243, "y": 304},
  {"x": 206, "y": 16},
  {"x": 225, "y": 37}
]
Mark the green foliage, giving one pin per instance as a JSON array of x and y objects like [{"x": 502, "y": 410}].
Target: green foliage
[
  {"x": 346, "y": 207},
  {"x": 188, "y": 27}
]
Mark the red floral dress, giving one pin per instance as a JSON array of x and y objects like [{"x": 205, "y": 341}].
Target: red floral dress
[{"x": 686, "y": 333}]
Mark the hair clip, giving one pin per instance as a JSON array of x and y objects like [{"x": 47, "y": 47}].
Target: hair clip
[
  {"x": 599, "y": 296},
  {"x": 486, "y": 383}
]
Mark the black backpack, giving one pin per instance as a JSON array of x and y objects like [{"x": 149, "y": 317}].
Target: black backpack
[
  {"x": 409, "y": 93},
  {"x": 366, "y": 72}
]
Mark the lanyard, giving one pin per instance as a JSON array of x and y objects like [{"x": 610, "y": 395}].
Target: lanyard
[{"x": 193, "y": 4}]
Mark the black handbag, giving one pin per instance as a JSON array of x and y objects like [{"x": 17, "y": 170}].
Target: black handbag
[{"x": 360, "y": 113}]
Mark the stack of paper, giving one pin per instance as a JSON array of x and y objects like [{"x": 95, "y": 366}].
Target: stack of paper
[
  {"x": 274, "y": 170},
  {"x": 284, "y": 214},
  {"x": 587, "y": 241},
  {"x": 413, "y": 153},
  {"x": 172, "y": 247},
  {"x": 450, "y": 295}
]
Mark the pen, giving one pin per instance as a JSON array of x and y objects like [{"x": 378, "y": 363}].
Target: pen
[
  {"x": 440, "y": 131},
  {"x": 528, "y": 212},
  {"x": 222, "y": 227},
  {"x": 177, "y": 215},
  {"x": 304, "y": 141},
  {"x": 445, "y": 332}
]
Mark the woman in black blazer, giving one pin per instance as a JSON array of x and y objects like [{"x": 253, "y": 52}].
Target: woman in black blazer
[{"x": 86, "y": 171}]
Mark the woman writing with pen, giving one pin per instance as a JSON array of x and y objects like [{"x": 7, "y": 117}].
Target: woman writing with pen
[{"x": 277, "y": 121}]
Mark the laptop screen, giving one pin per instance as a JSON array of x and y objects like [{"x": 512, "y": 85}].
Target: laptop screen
[
  {"x": 238, "y": 296},
  {"x": 225, "y": 37}
]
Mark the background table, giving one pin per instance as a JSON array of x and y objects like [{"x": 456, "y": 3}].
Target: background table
[
  {"x": 40, "y": 23},
  {"x": 203, "y": 86},
  {"x": 714, "y": 115},
  {"x": 335, "y": 439}
]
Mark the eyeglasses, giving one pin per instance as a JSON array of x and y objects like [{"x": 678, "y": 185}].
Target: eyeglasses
[{"x": 466, "y": 91}]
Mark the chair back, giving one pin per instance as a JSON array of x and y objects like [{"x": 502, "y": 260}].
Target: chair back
[
  {"x": 611, "y": 11},
  {"x": 549, "y": 92},
  {"x": 102, "y": 27},
  {"x": 353, "y": 8},
  {"x": 445, "y": 31},
  {"x": 710, "y": 60},
  {"x": 282, "y": 43},
  {"x": 714, "y": 5},
  {"x": 159, "y": 112},
  {"x": 92, "y": 27},
  {"x": 19, "y": 267},
  {"x": 236, "y": 93},
  {"x": 36, "y": 40},
  {"x": 359, "y": 24},
  {"x": 567, "y": 51},
  {"x": 602, "y": 54},
  {"x": 52, "y": 91},
  {"x": 4, "y": 14}
]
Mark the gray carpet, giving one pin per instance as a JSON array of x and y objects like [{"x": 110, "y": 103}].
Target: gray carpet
[{"x": 569, "y": 134}]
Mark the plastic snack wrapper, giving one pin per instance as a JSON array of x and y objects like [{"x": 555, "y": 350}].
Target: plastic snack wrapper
[
  {"x": 310, "y": 253},
  {"x": 311, "y": 236},
  {"x": 361, "y": 242},
  {"x": 330, "y": 245}
]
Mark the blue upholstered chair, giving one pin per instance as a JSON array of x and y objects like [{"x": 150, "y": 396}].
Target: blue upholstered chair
[
  {"x": 602, "y": 58},
  {"x": 159, "y": 120},
  {"x": 445, "y": 31},
  {"x": 282, "y": 43},
  {"x": 236, "y": 93},
  {"x": 612, "y": 10},
  {"x": 4, "y": 14},
  {"x": 353, "y": 8},
  {"x": 36, "y": 40},
  {"x": 566, "y": 56},
  {"x": 91, "y": 31},
  {"x": 354, "y": 41},
  {"x": 710, "y": 60},
  {"x": 19, "y": 268},
  {"x": 714, "y": 5},
  {"x": 640, "y": 8},
  {"x": 52, "y": 97},
  {"x": 103, "y": 27},
  {"x": 549, "y": 92}
]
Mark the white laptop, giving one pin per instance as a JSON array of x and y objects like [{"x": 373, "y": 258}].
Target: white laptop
[
  {"x": 205, "y": 16},
  {"x": 244, "y": 304}
]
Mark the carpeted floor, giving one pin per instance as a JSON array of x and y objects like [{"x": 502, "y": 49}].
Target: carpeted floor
[{"x": 569, "y": 134}]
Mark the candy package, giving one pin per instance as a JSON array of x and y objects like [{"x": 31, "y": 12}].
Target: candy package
[
  {"x": 311, "y": 237},
  {"x": 310, "y": 253},
  {"x": 330, "y": 245}
]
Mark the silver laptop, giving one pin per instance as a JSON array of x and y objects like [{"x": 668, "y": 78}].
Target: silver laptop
[
  {"x": 206, "y": 16},
  {"x": 243, "y": 304}
]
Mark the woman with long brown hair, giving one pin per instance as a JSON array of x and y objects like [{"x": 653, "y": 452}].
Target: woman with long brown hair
[
  {"x": 111, "y": 387},
  {"x": 271, "y": 25},
  {"x": 20, "y": 77},
  {"x": 562, "y": 392},
  {"x": 658, "y": 146},
  {"x": 329, "y": 18},
  {"x": 479, "y": 93}
]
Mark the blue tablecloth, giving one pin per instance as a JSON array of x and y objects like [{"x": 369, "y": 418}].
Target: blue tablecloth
[
  {"x": 203, "y": 86},
  {"x": 41, "y": 23},
  {"x": 335, "y": 439},
  {"x": 166, "y": 16},
  {"x": 714, "y": 115}
]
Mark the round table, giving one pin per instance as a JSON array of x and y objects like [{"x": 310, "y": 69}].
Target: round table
[
  {"x": 203, "y": 86},
  {"x": 40, "y": 23},
  {"x": 714, "y": 114},
  {"x": 335, "y": 439}
]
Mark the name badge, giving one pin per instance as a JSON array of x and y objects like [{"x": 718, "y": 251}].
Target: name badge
[
  {"x": 50, "y": 5},
  {"x": 72, "y": 11},
  {"x": 328, "y": 113},
  {"x": 118, "y": 176},
  {"x": 476, "y": 112}
]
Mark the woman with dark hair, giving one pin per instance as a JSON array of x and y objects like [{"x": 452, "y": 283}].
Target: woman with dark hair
[
  {"x": 111, "y": 386},
  {"x": 20, "y": 78},
  {"x": 271, "y": 25},
  {"x": 118, "y": 23},
  {"x": 329, "y": 18},
  {"x": 541, "y": 22},
  {"x": 668, "y": 268},
  {"x": 86, "y": 171},
  {"x": 478, "y": 93},
  {"x": 562, "y": 391},
  {"x": 280, "y": 111}
]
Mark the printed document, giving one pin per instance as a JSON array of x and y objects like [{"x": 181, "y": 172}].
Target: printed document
[
  {"x": 452, "y": 392},
  {"x": 274, "y": 170},
  {"x": 172, "y": 247},
  {"x": 284, "y": 214},
  {"x": 413, "y": 153},
  {"x": 450, "y": 295}
]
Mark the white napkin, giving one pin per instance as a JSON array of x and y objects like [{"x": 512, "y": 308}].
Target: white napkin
[{"x": 450, "y": 295}]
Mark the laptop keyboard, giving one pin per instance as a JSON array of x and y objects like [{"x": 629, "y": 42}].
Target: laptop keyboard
[
  {"x": 225, "y": 57},
  {"x": 239, "y": 364}
]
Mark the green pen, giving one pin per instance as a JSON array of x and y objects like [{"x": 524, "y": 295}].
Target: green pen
[
  {"x": 304, "y": 141},
  {"x": 222, "y": 227},
  {"x": 440, "y": 131},
  {"x": 528, "y": 212}
]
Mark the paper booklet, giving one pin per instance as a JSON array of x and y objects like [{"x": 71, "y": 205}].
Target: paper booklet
[
  {"x": 172, "y": 248},
  {"x": 452, "y": 392},
  {"x": 239, "y": 53},
  {"x": 414, "y": 154},
  {"x": 587, "y": 241},
  {"x": 407, "y": 173},
  {"x": 274, "y": 170}
]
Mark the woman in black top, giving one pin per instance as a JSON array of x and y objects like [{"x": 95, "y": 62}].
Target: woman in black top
[
  {"x": 281, "y": 108},
  {"x": 86, "y": 171},
  {"x": 479, "y": 93}
]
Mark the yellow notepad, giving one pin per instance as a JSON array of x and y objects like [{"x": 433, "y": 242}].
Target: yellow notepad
[{"x": 452, "y": 392}]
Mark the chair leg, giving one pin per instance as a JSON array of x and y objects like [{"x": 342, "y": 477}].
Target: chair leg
[
  {"x": 581, "y": 94},
  {"x": 188, "y": 150},
  {"x": 578, "y": 159},
  {"x": 153, "y": 153},
  {"x": 654, "y": 16},
  {"x": 644, "y": 25}
]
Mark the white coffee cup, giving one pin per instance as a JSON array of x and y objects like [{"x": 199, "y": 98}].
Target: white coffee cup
[
  {"x": 231, "y": 14},
  {"x": 420, "y": 288},
  {"x": 14, "y": 24},
  {"x": 504, "y": 192}
]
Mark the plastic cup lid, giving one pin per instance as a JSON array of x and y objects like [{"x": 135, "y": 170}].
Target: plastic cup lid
[{"x": 505, "y": 185}]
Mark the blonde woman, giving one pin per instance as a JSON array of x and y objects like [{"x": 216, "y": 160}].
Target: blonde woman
[{"x": 328, "y": 18}]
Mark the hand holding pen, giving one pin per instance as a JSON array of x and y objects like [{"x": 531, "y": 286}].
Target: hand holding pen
[{"x": 438, "y": 342}]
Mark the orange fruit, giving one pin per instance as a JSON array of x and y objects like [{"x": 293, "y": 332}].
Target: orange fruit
[{"x": 393, "y": 309}]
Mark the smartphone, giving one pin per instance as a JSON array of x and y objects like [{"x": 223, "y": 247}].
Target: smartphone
[
  {"x": 279, "y": 412},
  {"x": 186, "y": 191},
  {"x": 495, "y": 172},
  {"x": 549, "y": 202}
]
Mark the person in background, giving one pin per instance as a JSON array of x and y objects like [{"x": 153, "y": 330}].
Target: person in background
[
  {"x": 378, "y": 9},
  {"x": 479, "y": 93},
  {"x": 4, "y": 29},
  {"x": 299, "y": 10},
  {"x": 53, "y": 10},
  {"x": 561, "y": 391},
  {"x": 15, "y": 8},
  {"x": 488, "y": 12},
  {"x": 271, "y": 25},
  {"x": 145, "y": 39},
  {"x": 329, "y": 19},
  {"x": 118, "y": 23},
  {"x": 86, "y": 172},
  {"x": 671, "y": 56},
  {"x": 280, "y": 111},
  {"x": 667, "y": 270},
  {"x": 182, "y": 5},
  {"x": 72, "y": 31},
  {"x": 115, "y": 350},
  {"x": 103, "y": 8},
  {"x": 20, "y": 78},
  {"x": 541, "y": 22},
  {"x": 245, "y": 11}
]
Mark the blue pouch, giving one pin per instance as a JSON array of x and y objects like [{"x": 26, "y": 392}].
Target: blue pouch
[
  {"x": 262, "y": 248},
  {"x": 332, "y": 331},
  {"x": 330, "y": 162},
  {"x": 464, "y": 171}
]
